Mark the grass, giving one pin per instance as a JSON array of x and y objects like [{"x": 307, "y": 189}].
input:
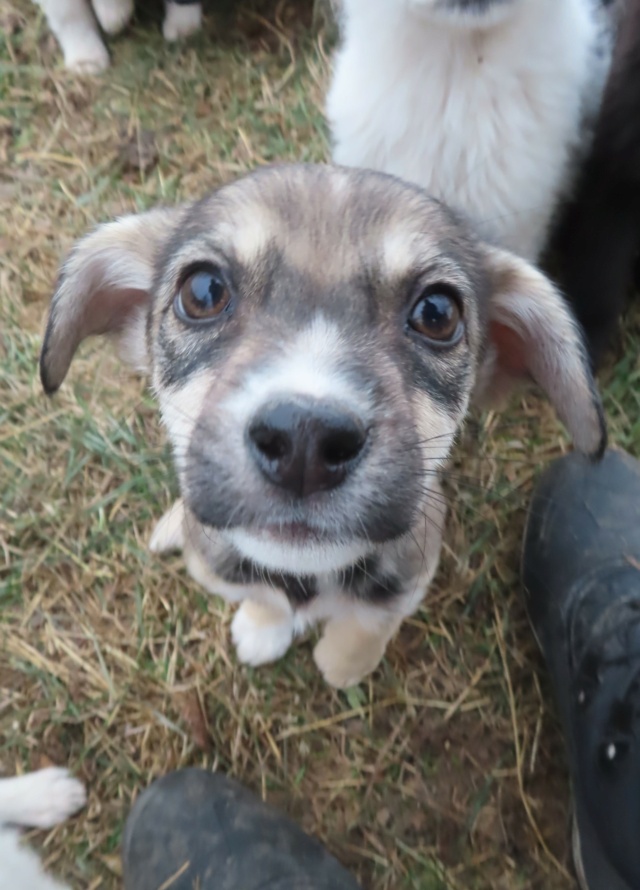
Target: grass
[{"x": 446, "y": 770}]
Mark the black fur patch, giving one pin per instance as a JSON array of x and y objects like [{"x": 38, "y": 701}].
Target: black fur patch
[
  {"x": 447, "y": 383},
  {"x": 238, "y": 570},
  {"x": 365, "y": 581}
]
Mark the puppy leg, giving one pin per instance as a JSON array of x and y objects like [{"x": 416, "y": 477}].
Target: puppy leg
[
  {"x": 76, "y": 31},
  {"x": 113, "y": 15},
  {"x": 349, "y": 650},
  {"x": 263, "y": 627},
  {"x": 262, "y": 631},
  {"x": 354, "y": 642},
  {"x": 40, "y": 799},
  {"x": 168, "y": 534},
  {"x": 181, "y": 20}
]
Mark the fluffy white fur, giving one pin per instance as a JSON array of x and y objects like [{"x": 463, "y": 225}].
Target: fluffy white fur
[
  {"x": 486, "y": 110},
  {"x": 181, "y": 21},
  {"x": 76, "y": 25},
  {"x": 36, "y": 800},
  {"x": 20, "y": 868}
]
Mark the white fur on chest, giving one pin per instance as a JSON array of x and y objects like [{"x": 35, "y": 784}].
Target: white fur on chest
[{"x": 488, "y": 121}]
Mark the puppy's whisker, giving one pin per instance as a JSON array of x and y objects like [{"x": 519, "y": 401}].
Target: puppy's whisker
[{"x": 439, "y": 527}]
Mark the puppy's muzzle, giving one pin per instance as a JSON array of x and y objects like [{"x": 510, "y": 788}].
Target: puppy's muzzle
[{"x": 306, "y": 446}]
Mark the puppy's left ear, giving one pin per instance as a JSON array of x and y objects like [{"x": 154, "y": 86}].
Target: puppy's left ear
[
  {"x": 104, "y": 287},
  {"x": 532, "y": 334}
]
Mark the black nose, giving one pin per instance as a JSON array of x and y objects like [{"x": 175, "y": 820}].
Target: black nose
[{"x": 305, "y": 446}]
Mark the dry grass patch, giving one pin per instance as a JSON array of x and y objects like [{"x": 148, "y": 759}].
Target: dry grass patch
[{"x": 446, "y": 770}]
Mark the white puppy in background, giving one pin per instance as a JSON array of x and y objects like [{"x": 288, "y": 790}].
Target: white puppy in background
[
  {"x": 76, "y": 25},
  {"x": 40, "y": 799},
  {"x": 484, "y": 103}
]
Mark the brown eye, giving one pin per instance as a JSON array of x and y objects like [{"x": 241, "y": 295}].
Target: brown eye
[
  {"x": 203, "y": 296},
  {"x": 437, "y": 316}
]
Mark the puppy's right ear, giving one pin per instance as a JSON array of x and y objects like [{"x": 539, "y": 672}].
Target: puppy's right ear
[{"x": 105, "y": 288}]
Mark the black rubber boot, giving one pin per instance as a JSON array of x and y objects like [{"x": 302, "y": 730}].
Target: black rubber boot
[
  {"x": 195, "y": 829},
  {"x": 581, "y": 573}
]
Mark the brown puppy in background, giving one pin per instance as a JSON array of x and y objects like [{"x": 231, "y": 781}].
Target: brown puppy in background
[{"x": 314, "y": 336}]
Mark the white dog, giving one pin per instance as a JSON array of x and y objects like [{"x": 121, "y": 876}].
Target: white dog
[
  {"x": 76, "y": 25},
  {"x": 40, "y": 799},
  {"x": 484, "y": 103}
]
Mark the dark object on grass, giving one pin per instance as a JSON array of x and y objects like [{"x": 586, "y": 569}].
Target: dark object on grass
[
  {"x": 581, "y": 573},
  {"x": 198, "y": 829}
]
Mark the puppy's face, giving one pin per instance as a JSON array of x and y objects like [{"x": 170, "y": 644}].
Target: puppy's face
[
  {"x": 315, "y": 342},
  {"x": 314, "y": 336}
]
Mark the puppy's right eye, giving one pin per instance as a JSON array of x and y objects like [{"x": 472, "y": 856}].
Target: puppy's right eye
[{"x": 203, "y": 296}]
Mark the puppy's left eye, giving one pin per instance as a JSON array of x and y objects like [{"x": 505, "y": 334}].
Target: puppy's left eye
[
  {"x": 204, "y": 295},
  {"x": 437, "y": 316}
]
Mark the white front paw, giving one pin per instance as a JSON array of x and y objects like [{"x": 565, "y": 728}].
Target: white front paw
[
  {"x": 84, "y": 52},
  {"x": 261, "y": 634},
  {"x": 49, "y": 796},
  {"x": 113, "y": 15},
  {"x": 169, "y": 531},
  {"x": 181, "y": 20}
]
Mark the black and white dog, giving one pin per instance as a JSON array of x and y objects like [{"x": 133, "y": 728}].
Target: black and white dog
[
  {"x": 40, "y": 799},
  {"x": 487, "y": 104},
  {"x": 77, "y": 23},
  {"x": 314, "y": 336}
]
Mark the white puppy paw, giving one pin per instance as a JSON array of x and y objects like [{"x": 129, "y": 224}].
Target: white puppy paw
[
  {"x": 181, "y": 20},
  {"x": 169, "y": 531},
  {"x": 46, "y": 797},
  {"x": 113, "y": 15},
  {"x": 261, "y": 634},
  {"x": 84, "y": 52}
]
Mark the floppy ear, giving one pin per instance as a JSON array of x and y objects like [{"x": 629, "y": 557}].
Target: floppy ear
[
  {"x": 104, "y": 287},
  {"x": 532, "y": 334}
]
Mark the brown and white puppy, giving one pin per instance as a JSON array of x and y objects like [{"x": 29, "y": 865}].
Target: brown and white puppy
[{"x": 314, "y": 336}]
